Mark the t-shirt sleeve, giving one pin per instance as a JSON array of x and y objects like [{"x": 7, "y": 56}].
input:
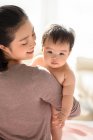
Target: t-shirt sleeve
[{"x": 52, "y": 91}]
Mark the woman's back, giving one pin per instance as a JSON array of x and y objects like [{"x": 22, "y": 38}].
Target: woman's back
[{"x": 24, "y": 113}]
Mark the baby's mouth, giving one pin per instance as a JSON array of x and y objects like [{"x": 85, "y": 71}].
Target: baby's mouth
[{"x": 54, "y": 63}]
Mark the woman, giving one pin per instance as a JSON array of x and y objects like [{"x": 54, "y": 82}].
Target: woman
[{"x": 26, "y": 93}]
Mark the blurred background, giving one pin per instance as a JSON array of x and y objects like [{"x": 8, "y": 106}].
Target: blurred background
[{"x": 78, "y": 15}]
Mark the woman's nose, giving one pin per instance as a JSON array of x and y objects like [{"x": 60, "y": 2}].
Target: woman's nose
[{"x": 33, "y": 44}]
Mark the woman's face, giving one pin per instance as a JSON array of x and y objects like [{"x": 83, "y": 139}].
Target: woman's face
[{"x": 22, "y": 47}]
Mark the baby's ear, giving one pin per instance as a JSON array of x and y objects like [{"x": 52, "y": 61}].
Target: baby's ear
[
  {"x": 70, "y": 51},
  {"x": 42, "y": 48}
]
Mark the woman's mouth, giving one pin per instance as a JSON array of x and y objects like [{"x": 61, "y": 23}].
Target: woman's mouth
[{"x": 30, "y": 52}]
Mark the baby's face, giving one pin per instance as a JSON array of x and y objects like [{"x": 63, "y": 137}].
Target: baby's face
[{"x": 55, "y": 54}]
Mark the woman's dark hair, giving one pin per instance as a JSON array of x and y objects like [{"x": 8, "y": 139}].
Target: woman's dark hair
[
  {"x": 11, "y": 18},
  {"x": 58, "y": 33}
]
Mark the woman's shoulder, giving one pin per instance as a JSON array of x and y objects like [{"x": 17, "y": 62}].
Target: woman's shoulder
[{"x": 34, "y": 69}]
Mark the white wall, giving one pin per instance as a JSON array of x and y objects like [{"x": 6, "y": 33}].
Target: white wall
[
  {"x": 79, "y": 14},
  {"x": 74, "y": 13}
]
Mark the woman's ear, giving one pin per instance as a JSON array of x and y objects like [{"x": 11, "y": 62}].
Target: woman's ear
[
  {"x": 2, "y": 47},
  {"x": 5, "y": 49}
]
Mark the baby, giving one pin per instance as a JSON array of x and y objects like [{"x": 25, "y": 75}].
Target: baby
[{"x": 57, "y": 43}]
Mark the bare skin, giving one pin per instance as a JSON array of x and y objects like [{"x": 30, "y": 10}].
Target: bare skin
[{"x": 54, "y": 59}]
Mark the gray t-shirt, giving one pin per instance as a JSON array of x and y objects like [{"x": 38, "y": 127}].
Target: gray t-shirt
[{"x": 26, "y": 95}]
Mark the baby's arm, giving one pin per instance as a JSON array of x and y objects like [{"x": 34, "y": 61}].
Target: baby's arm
[
  {"x": 38, "y": 60},
  {"x": 59, "y": 117},
  {"x": 68, "y": 91}
]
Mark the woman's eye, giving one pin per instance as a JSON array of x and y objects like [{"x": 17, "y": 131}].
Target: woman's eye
[{"x": 24, "y": 43}]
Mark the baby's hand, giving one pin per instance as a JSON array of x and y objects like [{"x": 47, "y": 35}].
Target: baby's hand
[{"x": 57, "y": 120}]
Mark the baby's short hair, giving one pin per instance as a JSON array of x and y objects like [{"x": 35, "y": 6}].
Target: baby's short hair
[{"x": 58, "y": 33}]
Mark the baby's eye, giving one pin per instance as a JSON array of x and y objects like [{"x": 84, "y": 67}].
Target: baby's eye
[
  {"x": 49, "y": 52},
  {"x": 61, "y": 53}
]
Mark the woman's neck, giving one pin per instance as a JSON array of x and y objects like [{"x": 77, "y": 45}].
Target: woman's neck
[{"x": 12, "y": 62}]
